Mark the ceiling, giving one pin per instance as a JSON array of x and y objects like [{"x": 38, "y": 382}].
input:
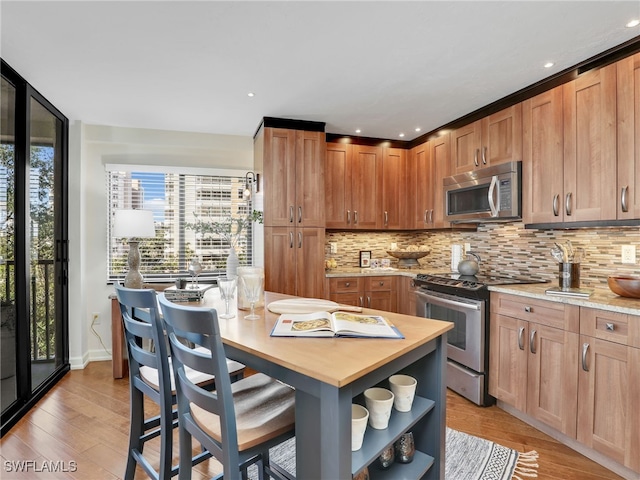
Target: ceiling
[{"x": 384, "y": 67}]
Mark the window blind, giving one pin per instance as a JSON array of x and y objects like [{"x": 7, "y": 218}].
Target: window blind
[{"x": 185, "y": 207}]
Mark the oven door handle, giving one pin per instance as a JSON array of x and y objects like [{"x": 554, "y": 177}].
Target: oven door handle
[{"x": 445, "y": 301}]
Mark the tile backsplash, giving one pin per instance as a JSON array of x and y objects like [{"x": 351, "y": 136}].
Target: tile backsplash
[{"x": 505, "y": 248}]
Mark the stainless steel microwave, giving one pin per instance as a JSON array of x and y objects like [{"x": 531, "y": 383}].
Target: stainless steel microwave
[{"x": 492, "y": 194}]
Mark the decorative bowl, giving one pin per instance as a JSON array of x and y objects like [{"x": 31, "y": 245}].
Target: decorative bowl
[
  {"x": 408, "y": 259},
  {"x": 625, "y": 285}
]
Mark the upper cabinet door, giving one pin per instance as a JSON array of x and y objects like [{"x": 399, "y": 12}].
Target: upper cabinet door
[
  {"x": 590, "y": 146},
  {"x": 366, "y": 185},
  {"x": 492, "y": 140},
  {"x": 309, "y": 179},
  {"x": 279, "y": 176},
  {"x": 441, "y": 168},
  {"x": 502, "y": 136},
  {"x": 628, "y": 92},
  {"x": 542, "y": 157},
  {"x": 394, "y": 189},
  {"x": 421, "y": 182},
  {"x": 337, "y": 189},
  {"x": 466, "y": 148}
]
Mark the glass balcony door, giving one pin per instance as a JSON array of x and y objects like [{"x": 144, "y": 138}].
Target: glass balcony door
[{"x": 33, "y": 246}]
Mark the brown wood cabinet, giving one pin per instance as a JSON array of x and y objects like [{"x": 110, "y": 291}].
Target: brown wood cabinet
[
  {"x": 353, "y": 186},
  {"x": 492, "y": 140},
  {"x": 628, "y": 94},
  {"x": 407, "y": 295},
  {"x": 609, "y": 385},
  {"x": 441, "y": 167},
  {"x": 533, "y": 362},
  {"x": 292, "y": 163},
  {"x": 294, "y": 259},
  {"x": 293, "y": 177},
  {"x": 421, "y": 185},
  {"x": 396, "y": 197},
  {"x": 370, "y": 292},
  {"x": 570, "y": 151}
]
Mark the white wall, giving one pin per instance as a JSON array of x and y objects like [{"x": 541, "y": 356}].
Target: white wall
[{"x": 91, "y": 147}]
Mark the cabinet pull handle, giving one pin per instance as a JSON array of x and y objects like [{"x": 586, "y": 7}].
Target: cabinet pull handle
[
  {"x": 567, "y": 204},
  {"x": 361, "y": 302},
  {"x": 369, "y": 301},
  {"x": 348, "y": 217},
  {"x": 532, "y": 342},
  {"x": 431, "y": 216},
  {"x": 624, "y": 193},
  {"x": 484, "y": 155},
  {"x": 556, "y": 198},
  {"x": 528, "y": 309},
  {"x": 426, "y": 216},
  {"x": 521, "y": 338},
  {"x": 355, "y": 217},
  {"x": 585, "y": 350},
  {"x": 290, "y": 239},
  {"x": 299, "y": 239},
  {"x": 291, "y": 214},
  {"x": 386, "y": 218},
  {"x": 299, "y": 214},
  {"x": 611, "y": 327},
  {"x": 475, "y": 157}
]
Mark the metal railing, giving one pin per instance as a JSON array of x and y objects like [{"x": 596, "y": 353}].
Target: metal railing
[{"x": 42, "y": 315}]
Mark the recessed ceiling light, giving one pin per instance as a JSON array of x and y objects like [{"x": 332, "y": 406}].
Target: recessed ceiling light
[
  {"x": 401, "y": 135},
  {"x": 251, "y": 94},
  {"x": 633, "y": 23},
  {"x": 418, "y": 129},
  {"x": 358, "y": 130},
  {"x": 548, "y": 65}
]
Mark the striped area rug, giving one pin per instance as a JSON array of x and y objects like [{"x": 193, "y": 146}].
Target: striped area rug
[{"x": 467, "y": 458}]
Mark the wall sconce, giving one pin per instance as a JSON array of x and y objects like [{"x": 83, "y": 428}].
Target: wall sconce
[
  {"x": 250, "y": 178},
  {"x": 133, "y": 224}
]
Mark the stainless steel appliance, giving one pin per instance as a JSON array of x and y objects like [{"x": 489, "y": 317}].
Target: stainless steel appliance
[
  {"x": 464, "y": 300},
  {"x": 492, "y": 194}
]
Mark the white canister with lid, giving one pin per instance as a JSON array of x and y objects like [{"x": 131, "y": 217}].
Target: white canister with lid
[{"x": 243, "y": 303}]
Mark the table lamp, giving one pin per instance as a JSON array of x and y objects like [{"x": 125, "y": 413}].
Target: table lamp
[{"x": 133, "y": 224}]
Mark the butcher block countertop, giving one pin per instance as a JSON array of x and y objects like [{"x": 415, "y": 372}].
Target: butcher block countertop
[{"x": 601, "y": 298}]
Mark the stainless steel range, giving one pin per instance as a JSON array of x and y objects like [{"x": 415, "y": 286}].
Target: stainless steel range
[{"x": 464, "y": 300}]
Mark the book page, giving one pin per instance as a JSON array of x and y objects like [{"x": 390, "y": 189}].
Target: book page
[
  {"x": 317, "y": 324},
  {"x": 363, "y": 325}
]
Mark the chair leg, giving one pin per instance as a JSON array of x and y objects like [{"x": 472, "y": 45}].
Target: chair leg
[
  {"x": 136, "y": 430},
  {"x": 185, "y": 454},
  {"x": 166, "y": 442}
]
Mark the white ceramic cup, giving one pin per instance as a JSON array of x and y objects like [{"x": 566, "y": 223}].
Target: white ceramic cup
[
  {"x": 404, "y": 390},
  {"x": 359, "y": 418},
  {"x": 379, "y": 402}
]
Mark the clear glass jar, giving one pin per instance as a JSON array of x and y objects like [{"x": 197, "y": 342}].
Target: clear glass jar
[{"x": 243, "y": 304}]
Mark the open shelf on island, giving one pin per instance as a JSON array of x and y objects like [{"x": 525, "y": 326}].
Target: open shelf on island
[{"x": 375, "y": 441}]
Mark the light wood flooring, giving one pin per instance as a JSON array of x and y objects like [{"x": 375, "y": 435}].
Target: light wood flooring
[{"x": 84, "y": 419}]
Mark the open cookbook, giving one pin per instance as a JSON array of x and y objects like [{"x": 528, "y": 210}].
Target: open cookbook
[{"x": 338, "y": 324}]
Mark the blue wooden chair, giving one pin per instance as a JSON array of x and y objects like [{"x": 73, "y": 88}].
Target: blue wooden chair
[
  {"x": 237, "y": 423},
  {"x": 151, "y": 376}
]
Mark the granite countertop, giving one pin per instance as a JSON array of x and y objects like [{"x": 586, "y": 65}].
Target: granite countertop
[{"x": 602, "y": 298}]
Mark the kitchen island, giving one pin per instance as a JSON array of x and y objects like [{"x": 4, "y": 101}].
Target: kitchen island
[{"x": 329, "y": 374}]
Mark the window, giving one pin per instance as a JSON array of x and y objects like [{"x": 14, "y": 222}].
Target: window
[{"x": 182, "y": 202}]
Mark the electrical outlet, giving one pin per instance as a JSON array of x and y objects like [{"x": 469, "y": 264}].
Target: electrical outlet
[
  {"x": 628, "y": 254},
  {"x": 334, "y": 247},
  {"x": 95, "y": 318}
]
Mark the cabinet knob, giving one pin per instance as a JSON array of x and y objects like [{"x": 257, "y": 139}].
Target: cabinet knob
[
  {"x": 528, "y": 309},
  {"x": 381, "y": 284},
  {"x": 347, "y": 284},
  {"x": 611, "y": 327}
]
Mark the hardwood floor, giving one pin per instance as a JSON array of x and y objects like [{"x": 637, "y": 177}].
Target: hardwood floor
[{"x": 80, "y": 429}]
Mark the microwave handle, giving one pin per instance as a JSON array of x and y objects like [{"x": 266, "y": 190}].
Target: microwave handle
[{"x": 494, "y": 206}]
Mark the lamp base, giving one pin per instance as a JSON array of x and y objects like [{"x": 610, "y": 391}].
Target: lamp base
[{"x": 133, "y": 278}]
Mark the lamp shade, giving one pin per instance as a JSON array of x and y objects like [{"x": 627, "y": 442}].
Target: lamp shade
[{"x": 133, "y": 224}]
